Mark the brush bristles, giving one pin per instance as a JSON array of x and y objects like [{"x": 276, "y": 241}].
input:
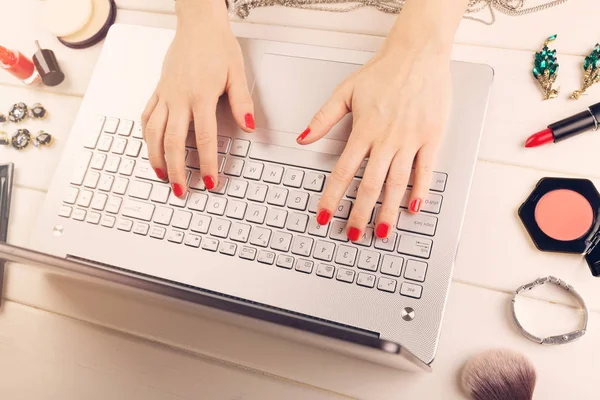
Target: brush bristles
[{"x": 499, "y": 375}]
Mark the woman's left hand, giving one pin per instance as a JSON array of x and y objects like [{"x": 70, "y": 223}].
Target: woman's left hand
[{"x": 400, "y": 101}]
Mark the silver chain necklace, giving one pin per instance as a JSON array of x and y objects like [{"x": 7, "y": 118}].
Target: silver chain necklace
[{"x": 513, "y": 8}]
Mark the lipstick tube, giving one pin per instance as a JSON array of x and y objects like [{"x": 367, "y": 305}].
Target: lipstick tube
[
  {"x": 578, "y": 123},
  {"x": 18, "y": 65}
]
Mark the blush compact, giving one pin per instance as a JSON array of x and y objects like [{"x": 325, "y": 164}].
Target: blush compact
[{"x": 563, "y": 215}]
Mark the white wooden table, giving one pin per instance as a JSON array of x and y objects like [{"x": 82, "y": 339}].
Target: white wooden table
[{"x": 66, "y": 337}]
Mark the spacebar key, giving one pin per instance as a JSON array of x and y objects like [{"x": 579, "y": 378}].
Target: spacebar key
[
  {"x": 294, "y": 157},
  {"x": 138, "y": 210}
]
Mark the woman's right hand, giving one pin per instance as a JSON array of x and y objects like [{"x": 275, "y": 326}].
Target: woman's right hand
[{"x": 203, "y": 62}]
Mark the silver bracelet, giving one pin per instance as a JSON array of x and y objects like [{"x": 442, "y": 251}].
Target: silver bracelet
[{"x": 558, "y": 339}]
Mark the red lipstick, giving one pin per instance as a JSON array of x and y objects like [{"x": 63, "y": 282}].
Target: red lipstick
[
  {"x": 540, "y": 138},
  {"x": 564, "y": 129}
]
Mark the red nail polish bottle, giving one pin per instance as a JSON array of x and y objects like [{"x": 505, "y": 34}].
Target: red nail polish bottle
[{"x": 18, "y": 65}]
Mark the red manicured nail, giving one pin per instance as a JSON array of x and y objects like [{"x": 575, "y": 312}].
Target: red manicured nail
[
  {"x": 323, "y": 217},
  {"x": 177, "y": 189},
  {"x": 249, "y": 118},
  {"x": 382, "y": 230},
  {"x": 415, "y": 205},
  {"x": 303, "y": 135},
  {"x": 209, "y": 182},
  {"x": 160, "y": 174},
  {"x": 353, "y": 234}
]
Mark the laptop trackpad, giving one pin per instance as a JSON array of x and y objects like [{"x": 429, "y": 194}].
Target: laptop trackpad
[{"x": 289, "y": 90}]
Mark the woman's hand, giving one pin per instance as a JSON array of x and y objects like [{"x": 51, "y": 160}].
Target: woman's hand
[
  {"x": 400, "y": 101},
  {"x": 203, "y": 62}
]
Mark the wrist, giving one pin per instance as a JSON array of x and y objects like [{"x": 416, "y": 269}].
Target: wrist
[{"x": 195, "y": 12}]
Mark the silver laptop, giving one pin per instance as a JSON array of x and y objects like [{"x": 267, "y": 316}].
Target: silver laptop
[{"x": 240, "y": 248}]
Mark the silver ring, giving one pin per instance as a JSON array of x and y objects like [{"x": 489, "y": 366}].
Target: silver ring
[{"x": 558, "y": 339}]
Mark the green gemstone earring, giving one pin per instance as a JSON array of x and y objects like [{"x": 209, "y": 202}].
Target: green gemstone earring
[
  {"x": 591, "y": 75},
  {"x": 545, "y": 69}
]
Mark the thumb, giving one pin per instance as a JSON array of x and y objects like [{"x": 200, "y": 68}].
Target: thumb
[
  {"x": 240, "y": 100},
  {"x": 330, "y": 114}
]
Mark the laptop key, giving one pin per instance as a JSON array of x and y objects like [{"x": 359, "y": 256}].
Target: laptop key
[
  {"x": 120, "y": 186},
  {"x": 391, "y": 265},
  {"x": 216, "y": 205},
  {"x": 197, "y": 201},
  {"x": 237, "y": 188},
  {"x": 79, "y": 214},
  {"x": 141, "y": 228},
  {"x": 65, "y": 211},
  {"x": 273, "y": 174},
  {"x": 240, "y": 232},
  {"x": 366, "y": 280},
  {"x": 314, "y": 181},
  {"x": 257, "y": 192},
  {"x": 98, "y": 161},
  {"x": 315, "y": 229},
  {"x": 260, "y": 236},
  {"x": 324, "y": 250},
  {"x": 304, "y": 265},
  {"x": 99, "y": 201},
  {"x": 233, "y": 166},
  {"x": 368, "y": 260},
  {"x": 210, "y": 244},
  {"x": 192, "y": 240},
  {"x": 181, "y": 219},
  {"x": 85, "y": 198},
  {"x": 200, "y": 223},
  {"x": 415, "y": 270},
  {"x": 240, "y": 147},
  {"x": 266, "y": 257},
  {"x": 285, "y": 261},
  {"x": 96, "y": 124},
  {"x": 277, "y": 196},
  {"x": 417, "y": 223},
  {"x": 293, "y": 178},
  {"x": 228, "y": 248},
  {"x": 338, "y": 231},
  {"x": 386, "y": 284},
  {"x": 411, "y": 290},
  {"x": 106, "y": 182},
  {"x": 297, "y": 222},
  {"x": 140, "y": 190},
  {"x": 256, "y": 213},
  {"x": 415, "y": 246},
  {"x": 114, "y": 205},
  {"x": 281, "y": 241},
  {"x": 163, "y": 215},
  {"x": 91, "y": 179},
  {"x": 276, "y": 217},
  {"x": 346, "y": 255},
  {"x": 108, "y": 221},
  {"x": 345, "y": 275},
  {"x": 325, "y": 270},
  {"x": 248, "y": 253},
  {"x": 236, "y": 209},
  {"x": 160, "y": 193},
  {"x": 71, "y": 195},
  {"x": 158, "y": 232},
  {"x": 254, "y": 171},
  {"x": 111, "y": 124},
  {"x": 93, "y": 218},
  {"x": 112, "y": 163},
  {"x": 137, "y": 209},
  {"x": 175, "y": 236},
  {"x": 298, "y": 200},
  {"x": 124, "y": 225},
  {"x": 388, "y": 243},
  {"x": 302, "y": 245},
  {"x": 220, "y": 228}
]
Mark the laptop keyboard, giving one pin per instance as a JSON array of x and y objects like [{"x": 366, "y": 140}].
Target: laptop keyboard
[{"x": 263, "y": 210}]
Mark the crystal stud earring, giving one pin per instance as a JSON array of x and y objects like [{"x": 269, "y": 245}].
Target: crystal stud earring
[
  {"x": 18, "y": 112},
  {"x": 37, "y": 111},
  {"x": 545, "y": 69},
  {"x": 591, "y": 74}
]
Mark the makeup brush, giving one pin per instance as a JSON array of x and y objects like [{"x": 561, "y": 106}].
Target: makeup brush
[{"x": 499, "y": 375}]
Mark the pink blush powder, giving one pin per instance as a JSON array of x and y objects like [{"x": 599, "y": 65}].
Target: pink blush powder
[{"x": 564, "y": 215}]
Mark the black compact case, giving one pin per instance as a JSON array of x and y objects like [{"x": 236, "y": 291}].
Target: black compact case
[{"x": 587, "y": 244}]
